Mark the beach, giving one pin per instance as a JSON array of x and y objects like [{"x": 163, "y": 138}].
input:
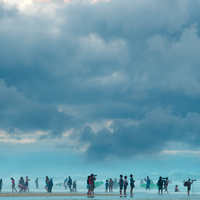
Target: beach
[{"x": 58, "y": 195}]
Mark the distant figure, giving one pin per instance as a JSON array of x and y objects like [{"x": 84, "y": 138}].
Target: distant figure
[
  {"x": 110, "y": 185},
  {"x": 188, "y": 184},
  {"x": 125, "y": 184},
  {"x": 50, "y": 185},
  {"x": 141, "y": 182},
  {"x": 148, "y": 183},
  {"x": 13, "y": 185},
  {"x": 88, "y": 185},
  {"x": 36, "y": 183},
  {"x": 69, "y": 183},
  {"x": 74, "y": 186},
  {"x": 160, "y": 185},
  {"x": 1, "y": 184},
  {"x": 121, "y": 183},
  {"x": 106, "y": 185},
  {"x": 65, "y": 183},
  {"x": 116, "y": 184},
  {"x": 26, "y": 183},
  {"x": 166, "y": 182},
  {"x": 132, "y": 185},
  {"x": 176, "y": 188},
  {"x": 47, "y": 184}
]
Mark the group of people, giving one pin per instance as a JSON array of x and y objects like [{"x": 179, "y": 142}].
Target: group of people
[
  {"x": 72, "y": 185},
  {"x": 162, "y": 184},
  {"x": 22, "y": 185},
  {"x": 109, "y": 185},
  {"x": 91, "y": 184},
  {"x": 123, "y": 184}
]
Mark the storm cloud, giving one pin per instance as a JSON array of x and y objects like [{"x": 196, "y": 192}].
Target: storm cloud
[{"x": 121, "y": 76}]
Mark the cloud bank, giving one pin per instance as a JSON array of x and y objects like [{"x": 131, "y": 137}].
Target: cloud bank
[{"x": 121, "y": 76}]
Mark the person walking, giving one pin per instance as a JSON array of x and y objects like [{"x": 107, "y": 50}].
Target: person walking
[
  {"x": 13, "y": 184},
  {"x": 26, "y": 183},
  {"x": 47, "y": 184}
]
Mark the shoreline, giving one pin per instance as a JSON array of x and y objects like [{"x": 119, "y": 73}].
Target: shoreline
[{"x": 32, "y": 194}]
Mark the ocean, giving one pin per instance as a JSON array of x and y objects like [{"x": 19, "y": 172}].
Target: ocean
[{"x": 176, "y": 178}]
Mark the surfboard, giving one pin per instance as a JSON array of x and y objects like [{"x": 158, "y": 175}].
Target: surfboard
[
  {"x": 98, "y": 183},
  {"x": 152, "y": 185},
  {"x": 61, "y": 184}
]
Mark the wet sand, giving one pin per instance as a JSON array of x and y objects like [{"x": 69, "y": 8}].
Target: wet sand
[{"x": 32, "y": 194}]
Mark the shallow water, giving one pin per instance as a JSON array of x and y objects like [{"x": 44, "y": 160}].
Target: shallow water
[{"x": 139, "y": 193}]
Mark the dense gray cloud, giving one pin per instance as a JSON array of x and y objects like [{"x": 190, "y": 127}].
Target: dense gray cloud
[
  {"x": 150, "y": 135},
  {"x": 77, "y": 66}
]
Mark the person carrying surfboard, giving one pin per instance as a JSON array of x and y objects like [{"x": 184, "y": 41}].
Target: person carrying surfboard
[{"x": 148, "y": 183}]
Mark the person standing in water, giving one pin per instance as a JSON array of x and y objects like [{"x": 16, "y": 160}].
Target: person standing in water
[
  {"x": 13, "y": 184},
  {"x": 69, "y": 183},
  {"x": 176, "y": 188},
  {"x": 121, "y": 183},
  {"x": 92, "y": 183},
  {"x": 65, "y": 183},
  {"x": 106, "y": 186},
  {"x": 125, "y": 184},
  {"x": 1, "y": 184},
  {"x": 132, "y": 181},
  {"x": 50, "y": 185},
  {"x": 26, "y": 183},
  {"x": 148, "y": 183},
  {"x": 160, "y": 185},
  {"x": 36, "y": 183},
  {"x": 166, "y": 182},
  {"x": 188, "y": 184},
  {"x": 74, "y": 186},
  {"x": 88, "y": 185}
]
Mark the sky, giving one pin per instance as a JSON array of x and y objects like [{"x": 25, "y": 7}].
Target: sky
[{"x": 96, "y": 83}]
